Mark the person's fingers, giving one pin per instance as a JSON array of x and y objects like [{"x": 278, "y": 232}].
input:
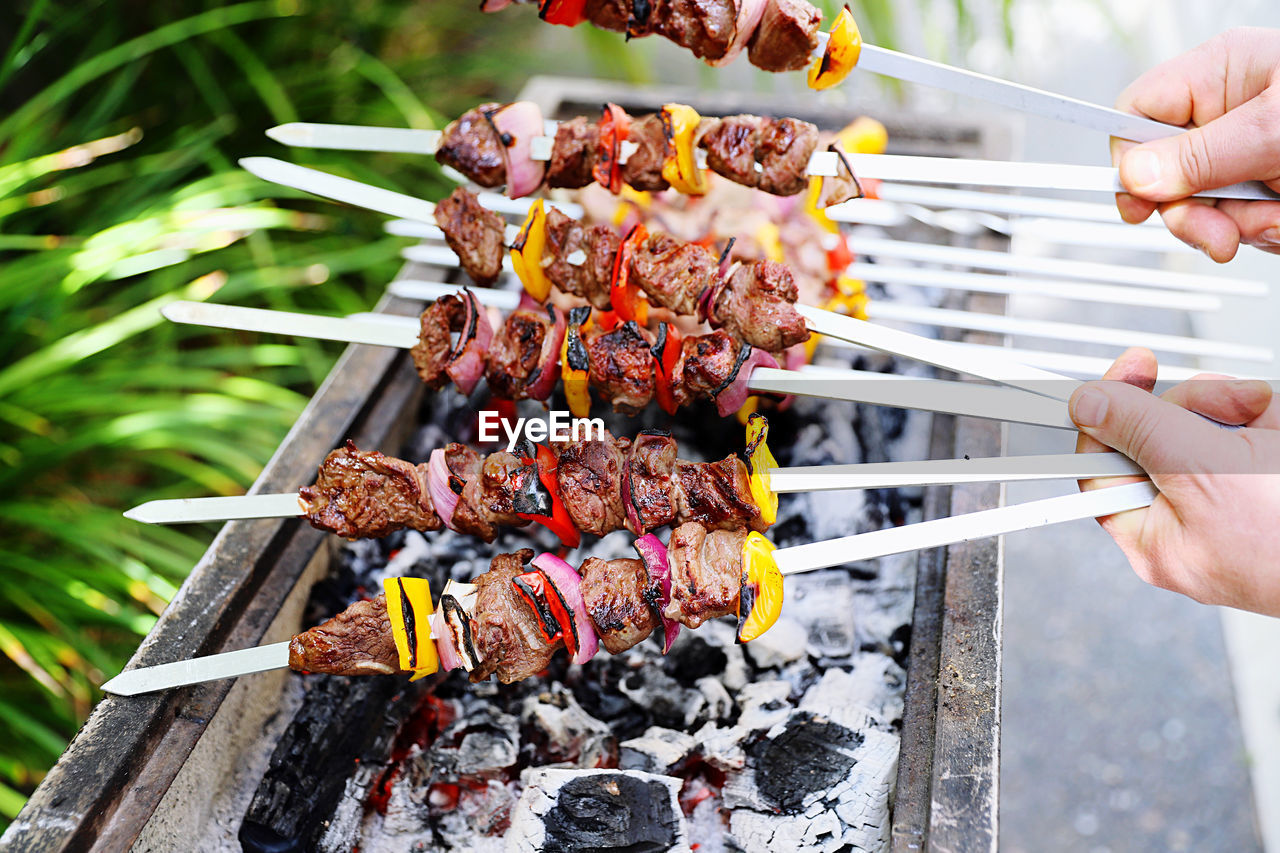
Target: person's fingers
[
  {"x": 1136, "y": 366},
  {"x": 1257, "y": 221},
  {"x": 1241, "y": 145},
  {"x": 1134, "y": 210},
  {"x": 1198, "y": 223},
  {"x": 1226, "y": 400}
]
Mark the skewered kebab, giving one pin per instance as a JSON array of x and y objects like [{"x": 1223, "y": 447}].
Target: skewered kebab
[{"x": 590, "y": 485}]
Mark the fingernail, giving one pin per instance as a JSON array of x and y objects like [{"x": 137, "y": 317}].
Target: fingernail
[
  {"x": 1270, "y": 237},
  {"x": 1143, "y": 170},
  {"x": 1089, "y": 408}
]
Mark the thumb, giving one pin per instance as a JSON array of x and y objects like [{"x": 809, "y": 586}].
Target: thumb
[
  {"x": 1164, "y": 438},
  {"x": 1241, "y": 145}
]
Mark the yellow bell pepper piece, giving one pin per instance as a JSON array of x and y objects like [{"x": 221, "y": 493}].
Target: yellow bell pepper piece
[
  {"x": 409, "y": 608},
  {"x": 770, "y": 240},
  {"x": 864, "y": 135},
  {"x": 575, "y": 366},
  {"x": 818, "y": 214},
  {"x": 748, "y": 409},
  {"x": 844, "y": 46},
  {"x": 759, "y": 462},
  {"x": 681, "y": 166},
  {"x": 851, "y": 298},
  {"x": 760, "y": 597},
  {"x": 526, "y": 254}
]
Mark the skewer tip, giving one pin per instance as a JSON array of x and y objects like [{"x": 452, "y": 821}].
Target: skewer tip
[
  {"x": 139, "y": 513},
  {"x": 293, "y": 133},
  {"x": 120, "y": 686},
  {"x": 256, "y": 165}
]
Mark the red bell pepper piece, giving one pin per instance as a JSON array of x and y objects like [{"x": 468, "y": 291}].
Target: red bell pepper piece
[
  {"x": 566, "y": 13},
  {"x": 606, "y": 321},
  {"x": 612, "y": 133},
  {"x": 627, "y": 300},
  {"x": 666, "y": 352},
  {"x": 839, "y": 258},
  {"x": 559, "y": 521},
  {"x": 554, "y": 619}
]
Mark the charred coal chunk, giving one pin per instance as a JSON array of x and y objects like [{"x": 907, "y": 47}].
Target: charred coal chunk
[
  {"x": 643, "y": 169},
  {"x": 811, "y": 755},
  {"x": 786, "y": 37},
  {"x": 572, "y": 154},
  {"x": 758, "y": 305},
  {"x": 514, "y": 353},
  {"x": 506, "y": 629},
  {"x": 673, "y": 273},
  {"x": 731, "y": 148},
  {"x": 783, "y": 151},
  {"x": 364, "y": 494},
  {"x": 589, "y": 474},
  {"x": 622, "y": 367},
  {"x": 599, "y": 810},
  {"x": 617, "y": 595},
  {"x": 471, "y": 145},
  {"x": 475, "y": 233}
]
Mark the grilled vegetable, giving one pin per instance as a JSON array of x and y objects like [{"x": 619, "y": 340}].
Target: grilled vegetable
[
  {"x": 844, "y": 45},
  {"x": 575, "y": 365},
  {"x": 627, "y": 298},
  {"x": 409, "y": 609},
  {"x": 760, "y": 599},
  {"x": 526, "y": 253},
  {"x": 680, "y": 124},
  {"x": 759, "y": 461}
]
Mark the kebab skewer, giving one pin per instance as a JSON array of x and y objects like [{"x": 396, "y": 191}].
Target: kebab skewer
[{"x": 522, "y": 649}]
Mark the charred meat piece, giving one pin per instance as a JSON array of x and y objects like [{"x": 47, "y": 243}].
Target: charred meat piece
[
  {"x": 471, "y": 145},
  {"x": 786, "y": 37},
  {"x": 474, "y": 233},
  {"x": 621, "y": 367},
  {"x": 650, "y": 464},
  {"x": 490, "y": 492},
  {"x": 357, "y": 641},
  {"x": 592, "y": 276},
  {"x": 706, "y": 573},
  {"x": 470, "y": 516},
  {"x": 643, "y": 169},
  {"x": 617, "y": 594},
  {"x": 610, "y": 15},
  {"x": 758, "y": 305},
  {"x": 707, "y": 364},
  {"x": 673, "y": 272},
  {"x": 716, "y": 494},
  {"x": 602, "y": 248},
  {"x": 784, "y": 149},
  {"x": 431, "y": 353},
  {"x": 505, "y": 629},
  {"x": 514, "y": 352},
  {"x": 589, "y": 474},
  {"x": 361, "y": 493},
  {"x": 572, "y": 154},
  {"x": 705, "y": 27},
  {"x": 731, "y": 148}
]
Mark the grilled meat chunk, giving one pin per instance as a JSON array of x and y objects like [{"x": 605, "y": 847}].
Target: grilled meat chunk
[
  {"x": 505, "y": 629},
  {"x": 474, "y": 233},
  {"x": 572, "y": 154},
  {"x": 431, "y": 353},
  {"x": 589, "y": 474},
  {"x": 621, "y": 366},
  {"x": 705, "y": 27},
  {"x": 488, "y": 495},
  {"x": 673, "y": 272},
  {"x": 610, "y": 15},
  {"x": 716, "y": 494},
  {"x": 617, "y": 594},
  {"x": 706, "y": 573},
  {"x": 758, "y": 305},
  {"x": 471, "y": 515},
  {"x": 471, "y": 145},
  {"x": 731, "y": 148},
  {"x": 593, "y": 275},
  {"x": 643, "y": 169},
  {"x": 514, "y": 352},
  {"x": 357, "y": 641},
  {"x": 650, "y": 464},
  {"x": 786, "y": 37},
  {"x": 602, "y": 249},
  {"x": 706, "y": 366},
  {"x": 361, "y": 493},
  {"x": 783, "y": 151}
]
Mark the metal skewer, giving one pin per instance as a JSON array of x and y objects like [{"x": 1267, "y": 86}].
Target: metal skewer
[{"x": 799, "y": 558}]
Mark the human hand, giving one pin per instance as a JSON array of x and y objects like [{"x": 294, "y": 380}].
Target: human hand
[
  {"x": 1228, "y": 91},
  {"x": 1213, "y": 532}
]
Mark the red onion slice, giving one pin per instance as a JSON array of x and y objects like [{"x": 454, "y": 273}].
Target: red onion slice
[
  {"x": 749, "y": 14},
  {"x": 654, "y": 556},
  {"x": 517, "y": 124},
  {"x": 569, "y": 583},
  {"x": 633, "y": 516},
  {"x": 450, "y": 659},
  {"x": 494, "y": 5},
  {"x": 731, "y": 398},
  {"x": 443, "y": 498},
  {"x": 793, "y": 358},
  {"x": 466, "y": 363},
  {"x": 548, "y": 369}
]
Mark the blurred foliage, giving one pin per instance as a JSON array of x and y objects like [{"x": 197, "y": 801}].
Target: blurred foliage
[{"x": 120, "y": 125}]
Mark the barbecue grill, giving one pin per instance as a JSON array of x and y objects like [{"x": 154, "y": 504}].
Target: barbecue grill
[{"x": 162, "y": 771}]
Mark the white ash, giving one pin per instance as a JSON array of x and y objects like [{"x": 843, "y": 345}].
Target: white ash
[
  {"x": 782, "y": 644},
  {"x": 658, "y": 750},
  {"x": 597, "y": 809},
  {"x": 719, "y": 704},
  {"x": 555, "y": 718},
  {"x": 722, "y": 747},
  {"x": 868, "y": 695},
  {"x": 827, "y": 601},
  {"x": 764, "y": 704}
]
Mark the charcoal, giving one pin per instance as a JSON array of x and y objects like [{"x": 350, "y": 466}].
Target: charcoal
[
  {"x": 692, "y": 657},
  {"x": 559, "y": 730},
  {"x": 658, "y": 750},
  {"x": 827, "y": 600},
  {"x": 598, "y": 810},
  {"x": 483, "y": 744},
  {"x": 764, "y": 704},
  {"x": 668, "y": 703},
  {"x": 722, "y": 748},
  {"x": 719, "y": 704},
  {"x": 868, "y": 695}
]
